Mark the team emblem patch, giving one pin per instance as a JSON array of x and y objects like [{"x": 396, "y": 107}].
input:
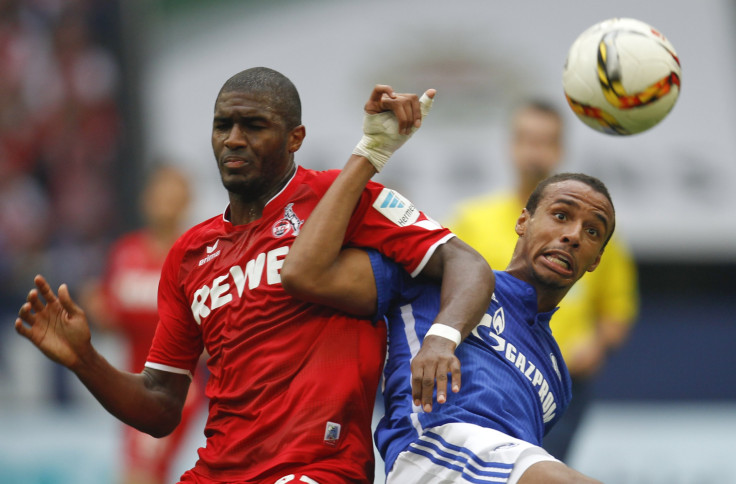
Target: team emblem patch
[
  {"x": 332, "y": 433},
  {"x": 499, "y": 321},
  {"x": 392, "y": 205},
  {"x": 290, "y": 222}
]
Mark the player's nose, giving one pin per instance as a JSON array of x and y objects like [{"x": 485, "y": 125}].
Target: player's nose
[{"x": 235, "y": 138}]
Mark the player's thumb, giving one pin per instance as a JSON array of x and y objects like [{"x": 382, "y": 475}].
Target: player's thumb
[
  {"x": 66, "y": 301},
  {"x": 426, "y": 101}
]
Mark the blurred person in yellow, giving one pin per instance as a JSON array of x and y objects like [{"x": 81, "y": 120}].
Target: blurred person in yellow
[{"x": 597, "y": 314}]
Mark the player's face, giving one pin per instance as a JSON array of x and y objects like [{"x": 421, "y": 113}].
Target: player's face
[
  {"x": 565, "y": 236},
  {"x": 536, "y": 144},
  {"x": 252, "y": 145},
  {"x": 165, "y": 200}
]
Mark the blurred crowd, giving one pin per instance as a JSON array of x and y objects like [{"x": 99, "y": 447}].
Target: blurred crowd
[{"x": 60, "y": 137}]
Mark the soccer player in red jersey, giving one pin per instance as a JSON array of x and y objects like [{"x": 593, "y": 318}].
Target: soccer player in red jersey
[
  {"x": 124, "y": 301},
  {"x": 292, "y": 384}
]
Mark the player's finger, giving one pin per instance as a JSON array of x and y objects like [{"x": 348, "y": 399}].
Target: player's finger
[
  {"x": 456, "y": 375},
  {"x": 416, "y": 384},
  {"x": 416, "y": 111},
  {"x": 411, "y": 113},
  {"x": 408, "y": 115},
  {"x": 35, "y": 300},
  {"x": 66, "y": 301},
  {"x": 442, "y": 371},
  {"x": 22, "y": 329},
  {"x": 379, "y": 90},
  {"x": 25, "y": 314},
  {"x": 428, "y": 388},
  {"x": 44, "y": 289}
]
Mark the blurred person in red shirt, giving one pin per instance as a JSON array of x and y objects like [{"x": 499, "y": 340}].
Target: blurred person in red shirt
[{"x": 125, "y": 300}]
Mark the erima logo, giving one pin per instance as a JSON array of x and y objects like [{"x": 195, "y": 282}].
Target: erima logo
[
  {"x": 211, "y": 254},
  {"x": 396, "y": 208}
]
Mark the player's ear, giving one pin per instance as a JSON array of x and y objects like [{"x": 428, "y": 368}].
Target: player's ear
[
  {"x": 296, "y": 137},
  {"x": 521, "y": 222}
]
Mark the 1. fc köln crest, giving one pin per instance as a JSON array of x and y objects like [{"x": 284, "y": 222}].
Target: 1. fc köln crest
[{"x": 289, "y": 223}]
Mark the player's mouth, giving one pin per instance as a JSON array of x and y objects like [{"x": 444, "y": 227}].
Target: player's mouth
[
  {"x": 234, "y": 162},
  {"x": 559, "y": 262}
]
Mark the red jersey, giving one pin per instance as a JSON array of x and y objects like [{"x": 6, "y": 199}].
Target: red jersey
[
  {"x": 130, "y": 285},
  {"x": 292, "y": 384}
]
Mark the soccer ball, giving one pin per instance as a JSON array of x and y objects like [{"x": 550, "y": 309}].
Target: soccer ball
[{"x": 621, "y": 76}]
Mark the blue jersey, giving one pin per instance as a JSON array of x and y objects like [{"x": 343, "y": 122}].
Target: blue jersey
[{"x": 513, "y": 377}]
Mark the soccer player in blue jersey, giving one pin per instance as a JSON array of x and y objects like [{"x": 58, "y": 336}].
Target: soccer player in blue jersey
[{"x": 515, "y": 383}]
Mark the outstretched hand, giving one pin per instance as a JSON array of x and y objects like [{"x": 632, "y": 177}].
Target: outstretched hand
[
  {"x": 435, "y": 359},
  {"x": 58, "y": 327}
]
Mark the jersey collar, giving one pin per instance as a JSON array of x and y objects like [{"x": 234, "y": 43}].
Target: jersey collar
[{"x": 284, "y": 192}]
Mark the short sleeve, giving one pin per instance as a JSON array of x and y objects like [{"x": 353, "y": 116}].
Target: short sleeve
[
  {"x": 386, "y": 221},
  {"x": 177, "y": 344}
]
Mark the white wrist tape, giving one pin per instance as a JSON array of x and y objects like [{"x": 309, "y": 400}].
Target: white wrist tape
[
  {"x": 444, "y": 331},
  {"x": 381, "y": 136}
]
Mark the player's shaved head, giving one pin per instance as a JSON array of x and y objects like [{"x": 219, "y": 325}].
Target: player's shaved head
[{"x": 274, "y": 88}]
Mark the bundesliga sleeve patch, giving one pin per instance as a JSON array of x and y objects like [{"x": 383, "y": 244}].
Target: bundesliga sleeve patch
[{"x": 392, "y": 205}]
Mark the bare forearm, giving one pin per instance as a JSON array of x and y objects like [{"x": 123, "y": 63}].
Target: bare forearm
[
  {"x": 136, "y": 399},
  {"x": 314, "y": 253},
  {"x": 467, "y": 285}
]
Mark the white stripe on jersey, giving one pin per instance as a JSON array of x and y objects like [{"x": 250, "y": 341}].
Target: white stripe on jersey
[
  {"x": 407, "y": 316},
  {"x": 170, "y": 369},
  {"x": 429, "y": 253}
]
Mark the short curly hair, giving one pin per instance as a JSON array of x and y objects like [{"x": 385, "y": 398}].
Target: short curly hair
[{"x": 279, "y": 91}]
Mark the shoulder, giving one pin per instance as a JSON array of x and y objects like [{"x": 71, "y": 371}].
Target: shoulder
[
  {"x": 199, "y": 234},
  {"x": 319, "y": 180}
]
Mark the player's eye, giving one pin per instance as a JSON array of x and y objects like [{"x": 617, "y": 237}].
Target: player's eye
[
  {"x": 560, "y": 216},
  {"x": 221, "y": 125}
]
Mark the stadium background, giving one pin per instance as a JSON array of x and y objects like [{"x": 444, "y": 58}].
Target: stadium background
[{"x": 92, "y": 91}]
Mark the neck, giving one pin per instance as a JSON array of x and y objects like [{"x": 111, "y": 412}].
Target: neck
[
  {"x": 244, "y": 211},
  {"x": 548, "y": 296}
]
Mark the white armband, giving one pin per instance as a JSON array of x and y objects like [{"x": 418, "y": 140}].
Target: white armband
[{"x": 445, "y": 331}]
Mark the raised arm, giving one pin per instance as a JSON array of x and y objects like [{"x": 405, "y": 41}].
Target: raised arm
[
  {"x": 150, "y": 401},
  {"x": 317, "y": 270}
]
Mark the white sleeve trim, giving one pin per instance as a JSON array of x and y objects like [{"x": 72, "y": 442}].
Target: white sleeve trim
[
  {"x": 170, "y": 369},
  {"x": 429, "y": 254}
]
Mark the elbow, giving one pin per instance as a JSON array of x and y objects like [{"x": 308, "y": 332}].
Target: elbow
[
  {"x": 162, "y": 430},
  {"x": 164, "y": 424},
  {"x": 296, "y": 282}
]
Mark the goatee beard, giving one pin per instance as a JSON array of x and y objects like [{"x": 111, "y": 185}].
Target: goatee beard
[{"x": 246, "y": 191}]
